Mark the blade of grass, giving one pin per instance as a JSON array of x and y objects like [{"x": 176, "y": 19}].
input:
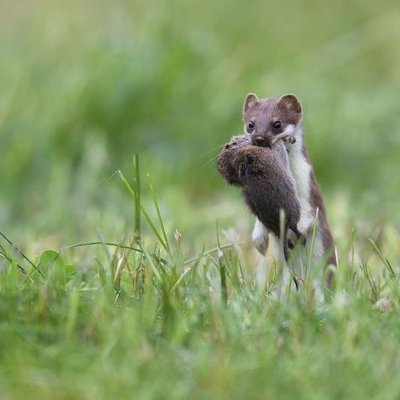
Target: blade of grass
[
  {"x": 222, "y": 263},
  {"x": 371, "y": 283},
  {"x": 184, "y": 273},
  {"x": 385, "y": 261},
  {"x": 135, "y": 193},
  {"x": 9, "y": 260},
  {"x": 160, "y": 220},
  {"x": 154, "y": 229},
  {"x": 145, "y": 213},
  {"x": 19, "y": 251},
  {"x": 96, "y": 243},
  {"x": 312, "y": 246},
  {"x": 152, "y": 265},
  {"x": 211, "y": 251},
  {"x": 136, "y": 186},
  {"x": 126, "y": 183},
  {"x": 101, "y": 240},
  {"x": 224, "y": 287}
]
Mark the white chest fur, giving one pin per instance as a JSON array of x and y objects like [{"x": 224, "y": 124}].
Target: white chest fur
[{"x": 301, "y": 170}]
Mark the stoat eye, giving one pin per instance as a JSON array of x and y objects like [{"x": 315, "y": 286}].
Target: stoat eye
[
  {"x": 250, "y": 126},
  {"x": 277, "y": 125}
]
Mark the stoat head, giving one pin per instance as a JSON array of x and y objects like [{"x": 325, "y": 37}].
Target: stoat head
[{"x": 266, "y": 118}]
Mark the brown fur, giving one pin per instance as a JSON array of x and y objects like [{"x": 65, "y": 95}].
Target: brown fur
[
  {"x": 317, "y": 202},
  {"x": 226, "y": 162},
  {"x": 265, "y": 112},
  {"x": 263, "y": 174},
  {"x": 287, "y": 109}
]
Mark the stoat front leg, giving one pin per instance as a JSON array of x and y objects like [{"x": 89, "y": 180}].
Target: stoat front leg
[{"x": 260, "y": 237}]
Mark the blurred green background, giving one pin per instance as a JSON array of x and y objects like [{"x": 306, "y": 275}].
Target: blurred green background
[{"x": 85, "y": 85}]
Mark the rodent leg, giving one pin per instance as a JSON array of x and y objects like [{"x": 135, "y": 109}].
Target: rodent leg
[
  {"x": 238, "y": 141},
  {"x": 231, "y": 145},
  {"x": 260, "y": 237}
]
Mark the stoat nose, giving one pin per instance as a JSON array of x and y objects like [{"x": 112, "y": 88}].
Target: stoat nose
[{"x": 258, "y": 141}]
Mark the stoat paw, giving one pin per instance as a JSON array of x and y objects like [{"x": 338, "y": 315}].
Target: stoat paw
[
  {"x": 260, "y": 241},
  {"x": 290, "y": 139}
]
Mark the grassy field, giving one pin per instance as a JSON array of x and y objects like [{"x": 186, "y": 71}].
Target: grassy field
[{"x": 110, "y": 291}]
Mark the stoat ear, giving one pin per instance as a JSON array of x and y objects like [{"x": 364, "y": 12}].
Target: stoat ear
[
  {"x": 290, "y": 103},
  {"x": 250, "y": 101}
]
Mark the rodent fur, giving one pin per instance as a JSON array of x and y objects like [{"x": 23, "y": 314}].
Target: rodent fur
[{"x": 264, "y": 175}]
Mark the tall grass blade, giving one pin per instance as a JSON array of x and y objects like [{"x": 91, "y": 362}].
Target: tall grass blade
[
  {"x": 19, "y": 251},
  {"x": 312, "y": 246},
  {"x": 146, "y": 215},
  {"x": 97, "y": 243},
  {"x": 10, "y": 261},
  {"x": 153, "y": 267},
  {"x": 222, "y": 262},
  {"x": 103, "y": 245},
  {"x": 136, "y": 187},
  {"x": 154, "y": 229},
  {"x": 205, "y": 253},
  {"x": 160, "y": 220},
  {"x": 371, "y": 283},
  {"x": 385, "y": 261}
]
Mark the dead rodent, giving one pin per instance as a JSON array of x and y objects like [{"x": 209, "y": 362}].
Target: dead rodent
[
  {"x": 226, "y": 163},
  {"x": 266, "y": 181}
]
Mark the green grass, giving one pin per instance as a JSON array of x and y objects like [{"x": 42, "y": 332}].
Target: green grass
[
  {"x": 150, "y": 319},
  {"x": 84, "y": 86}
]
